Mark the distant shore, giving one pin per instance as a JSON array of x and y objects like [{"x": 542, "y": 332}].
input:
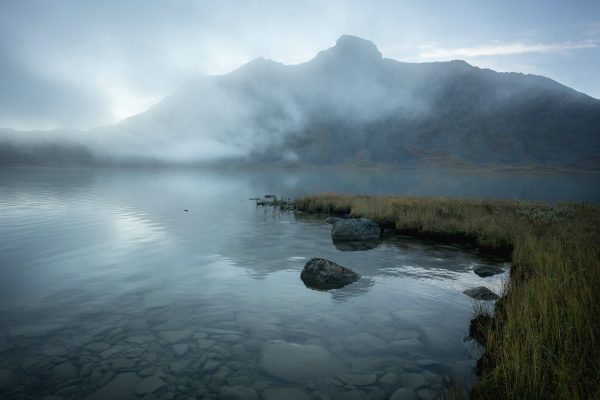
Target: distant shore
[{"x": 543, "y": 340}]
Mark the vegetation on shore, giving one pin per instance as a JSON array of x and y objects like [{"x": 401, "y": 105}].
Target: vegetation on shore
[{"x": 544, "y": 339}]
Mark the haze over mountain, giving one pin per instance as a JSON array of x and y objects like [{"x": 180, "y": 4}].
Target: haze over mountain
[{"x": 347, "y": 106}]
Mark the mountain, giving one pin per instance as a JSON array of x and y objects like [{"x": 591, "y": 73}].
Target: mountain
[{"x": 347, "y": 106}]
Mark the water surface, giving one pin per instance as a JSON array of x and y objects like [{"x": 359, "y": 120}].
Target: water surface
[{"x": 109, "y": 289}]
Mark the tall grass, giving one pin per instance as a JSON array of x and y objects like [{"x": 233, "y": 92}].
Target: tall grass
[{"x": 544, "y": 341}]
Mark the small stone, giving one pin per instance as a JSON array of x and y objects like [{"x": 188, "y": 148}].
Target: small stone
[
  {"x": 65, "y": 371},
  {"x": 358, "y": 379},
  {"x": 147, "y": 371},
  {"x": 7, "y": 378},
  {"x": 403, "y": 394},
  {"x": 175, "y": 336},
  {"x": 179, "y": 366},
  {"x": 287, "y": 394},
  {"x": 180, "y": 349},
  {"x": 390, "y": 380},
  {"x": 426, "y": 394},
  {"x": 377, "y": 394},
  {"x": 237, "y": 393},
  {"x": 322, "y": 274},
  {"x": 413, "y": 381},
  {"x": 121, "y": 387},
  {"x": 122, "y": 363},
  {"x": 481, "y": 293},
  {"x": 97, "y": 347},
  {"x": 205, "y": 343},
  {"x": 149, "y": 385}
]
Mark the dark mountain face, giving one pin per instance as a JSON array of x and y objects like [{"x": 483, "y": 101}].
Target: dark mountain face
[{"x": 351, "y": 106}]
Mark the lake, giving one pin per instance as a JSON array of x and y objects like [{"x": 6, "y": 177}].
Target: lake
[{"x": 110, "y": 290}]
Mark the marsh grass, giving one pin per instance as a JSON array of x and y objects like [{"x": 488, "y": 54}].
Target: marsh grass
[{"x": 544, "y": 340}]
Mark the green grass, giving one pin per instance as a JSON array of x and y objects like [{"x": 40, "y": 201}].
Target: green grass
[{"x": 544, "y": 342}]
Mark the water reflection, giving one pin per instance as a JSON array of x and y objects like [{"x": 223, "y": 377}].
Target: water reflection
[{"x": 109, "y": 289}]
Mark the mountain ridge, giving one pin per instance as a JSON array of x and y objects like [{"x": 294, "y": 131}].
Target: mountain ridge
[{"x": 350, "y": 106}]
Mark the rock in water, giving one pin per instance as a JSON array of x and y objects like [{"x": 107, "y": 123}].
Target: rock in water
[
  {"x": 486, "y": 270},
  {"x": 355, "y": 229},
  {"x": 332, "y": 220},
  {"x": 322, "y": 274},
  {"x": 481, "y": 293},
  {"x": 300, "y": 363}
]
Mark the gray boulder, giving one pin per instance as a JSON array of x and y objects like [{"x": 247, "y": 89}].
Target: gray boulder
[
  {"x": 322, "y": 274},
  {"x": 481, "y": 293},
  {"x": 487, "y": 270},
  {"x": 355, "y": 229}
]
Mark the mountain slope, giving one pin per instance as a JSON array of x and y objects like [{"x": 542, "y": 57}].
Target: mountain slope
[{"x": 349, "y": 105}]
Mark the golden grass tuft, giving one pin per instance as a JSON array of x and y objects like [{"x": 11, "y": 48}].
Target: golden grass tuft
[{"x": 544, "y": 342}]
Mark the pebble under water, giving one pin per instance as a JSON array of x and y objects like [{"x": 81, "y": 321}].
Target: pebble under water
[{"x": 110, "y": 290}]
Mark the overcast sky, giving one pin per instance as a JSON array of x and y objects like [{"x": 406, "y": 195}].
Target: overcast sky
[{"x": 81, "y": 64}]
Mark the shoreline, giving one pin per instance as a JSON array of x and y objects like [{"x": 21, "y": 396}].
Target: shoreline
[{"x": 542, "y": 341}]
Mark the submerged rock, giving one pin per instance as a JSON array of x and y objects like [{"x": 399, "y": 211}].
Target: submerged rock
[
  {"x": 237, "y": 393},
  {"x": 403, "y": 394},
  {"x": 322, "y": 274},
  {"x": 300, "y": 363},
  {"x": 355, "y": 229},
  {"x": 481, "y": 293},
  {"x": 332, "y": 220},
  {"x": 487, "y": 270}
]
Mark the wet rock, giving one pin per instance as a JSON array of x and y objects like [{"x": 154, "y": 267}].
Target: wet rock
[
  {"x": 366, "y": 364},
  {"x": 404, "y": 394},
  {"x": 65, "y": 371},
  {"x": 349, "y": 395},
  {"x": 426, "y": 394},
  {"x": 112, "y": 351},
  {"x": 97, "y": 347},
  {"x": 413, "y": 381},
  {"x": 122, "y": 363},
  {"x": 365, "y": 344},
  {"x": 358, "y": 379},
  {"x": 211, "y": 366},
  {"x": 332, "y": 220},
  {"x": 180, "y": 349},
  {"x": 147, "y": 371},
  {"x": 175, "y": 336},
  {"x": 481, "y": 293},
  {"x": 322, "y": 274},
  {"x": 376, "y": 394},
  {"x": 237, "y": 393},
  {"x": 355, "y": 229},
  {"x": 300, "y": 363},
  {"x": 287, "y": 394},
  {"x": 205, "y": 343},
  {"x": 487, "y": 270},
  {"x": 121, "y": 387},
  {"x": 357, "y": 246},
  {"x": 6, "y": 378},
  {"x": 389, "y": 380},
  {"x": 149, "y": 385},
  {"x": 57, "y": 351},
  {"x": 179, "y": 366},
  {"x": 405, "y": 345}
]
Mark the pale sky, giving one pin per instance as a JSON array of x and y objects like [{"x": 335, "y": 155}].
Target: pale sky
[{"x": 80, "y": 64}]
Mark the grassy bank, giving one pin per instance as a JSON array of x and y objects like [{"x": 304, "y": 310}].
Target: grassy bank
[{"x": 544, "y": 342}]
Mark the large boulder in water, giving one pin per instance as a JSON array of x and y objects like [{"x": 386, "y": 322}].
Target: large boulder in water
[
  {"x": 322, "y": 274},
  {"x": 355, "y": 229}
]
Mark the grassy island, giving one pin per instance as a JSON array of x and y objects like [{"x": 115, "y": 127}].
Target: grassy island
[{"x": 544, "y": 339}]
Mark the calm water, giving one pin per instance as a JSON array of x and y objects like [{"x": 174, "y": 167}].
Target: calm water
[{"x": 109, "y": 290}]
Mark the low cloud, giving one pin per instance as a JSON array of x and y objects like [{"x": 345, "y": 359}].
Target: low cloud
[{"x": 503, "y": 49}]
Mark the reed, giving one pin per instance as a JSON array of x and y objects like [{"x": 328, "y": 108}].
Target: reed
[{"x": 544, "y": 341}]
